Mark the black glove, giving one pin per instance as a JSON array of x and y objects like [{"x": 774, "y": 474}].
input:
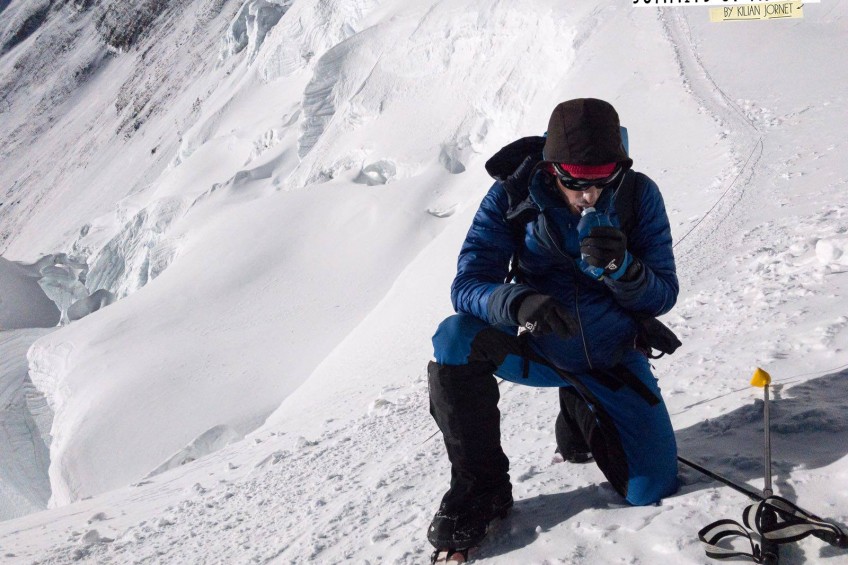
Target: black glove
[
  {"x": 541, "y": 315},
  {"x": 606, "y": 248}
]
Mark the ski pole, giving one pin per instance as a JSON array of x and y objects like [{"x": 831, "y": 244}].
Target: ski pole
[
  {"x": 762, "y": 379},
  {"x": 744, "y": 489},
  {"x": 770, "y": 550}
]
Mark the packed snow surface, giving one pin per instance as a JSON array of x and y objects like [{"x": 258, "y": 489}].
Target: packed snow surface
[{"x": 244, "y": 217}]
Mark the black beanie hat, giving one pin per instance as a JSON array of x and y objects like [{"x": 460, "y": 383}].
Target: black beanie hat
[{"x": 585, "y": 131}]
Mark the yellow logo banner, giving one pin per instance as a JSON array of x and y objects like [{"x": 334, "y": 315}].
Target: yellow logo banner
[{"x": 765, "y": 11}]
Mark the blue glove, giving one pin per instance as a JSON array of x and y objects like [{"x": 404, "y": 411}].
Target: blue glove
[{"x": 603, "y": 247}]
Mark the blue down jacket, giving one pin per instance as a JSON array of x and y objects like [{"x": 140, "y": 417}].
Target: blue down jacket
[{"x": 605, "y": 309}]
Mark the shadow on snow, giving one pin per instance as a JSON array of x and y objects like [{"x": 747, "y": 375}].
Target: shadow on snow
[{"x": 809, "y": 426}]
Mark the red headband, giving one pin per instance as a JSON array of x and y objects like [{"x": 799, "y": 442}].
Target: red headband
[{"x": 577, "y": 170}]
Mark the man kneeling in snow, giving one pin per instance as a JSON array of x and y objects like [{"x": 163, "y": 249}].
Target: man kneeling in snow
[{"x": 580, "y": 286}]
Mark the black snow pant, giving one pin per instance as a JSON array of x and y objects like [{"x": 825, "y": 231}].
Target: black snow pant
[{"x": 464, "y": 403}]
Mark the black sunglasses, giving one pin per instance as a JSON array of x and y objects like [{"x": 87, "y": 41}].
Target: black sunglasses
[{"x": 572, "y": 183}]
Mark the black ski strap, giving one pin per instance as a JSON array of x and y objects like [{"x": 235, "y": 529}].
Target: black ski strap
[
  {"x": 719, "y": 530},
  {"x": 791, "y": 524}
]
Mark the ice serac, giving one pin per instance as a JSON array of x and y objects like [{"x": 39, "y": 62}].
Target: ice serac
[
  {"x": 63, "y": 280},
  {"x": 139, "y": 252},
  {"x": 24, "y": 486},
  {"x": 251, "y": 25},
  {"x": 319, "y": 99},
  {"x": 49, "y": 361},
  {"x": 48, "y": 365},
  {"x": 340, "y": 75},
  {"x": 23, "y": 304}
]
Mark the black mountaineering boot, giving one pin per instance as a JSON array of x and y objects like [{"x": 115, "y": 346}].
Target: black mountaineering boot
[{"x": 461, "y": 528}]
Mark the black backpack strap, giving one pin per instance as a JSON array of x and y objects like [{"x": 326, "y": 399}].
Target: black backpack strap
[
  {"x": 521, "y": 210},
  {"x": 627, "y": 200}
]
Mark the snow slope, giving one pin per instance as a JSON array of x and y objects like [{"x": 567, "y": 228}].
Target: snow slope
[{"x": 283, "y": 261}]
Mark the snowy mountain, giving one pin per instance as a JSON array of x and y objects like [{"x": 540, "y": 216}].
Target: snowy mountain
[{"x": 246, "y": 217}]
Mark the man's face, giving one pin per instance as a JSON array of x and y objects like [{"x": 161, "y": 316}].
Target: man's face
[{"x": 579, "y": 200}]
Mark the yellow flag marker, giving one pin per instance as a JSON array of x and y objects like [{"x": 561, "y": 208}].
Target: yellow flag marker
[{"x": 760, "y": 378}]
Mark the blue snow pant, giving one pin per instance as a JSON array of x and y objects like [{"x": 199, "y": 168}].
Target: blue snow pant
[{"x": 619, "y": 411}]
